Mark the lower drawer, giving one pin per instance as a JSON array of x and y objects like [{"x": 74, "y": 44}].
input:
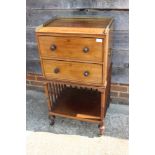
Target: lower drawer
[{"x": 73, "y": 71}]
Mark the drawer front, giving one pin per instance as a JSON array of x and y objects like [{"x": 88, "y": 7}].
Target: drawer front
[
  {"x": 72, "y": 71},
  {"x": 89, "y": 49}
]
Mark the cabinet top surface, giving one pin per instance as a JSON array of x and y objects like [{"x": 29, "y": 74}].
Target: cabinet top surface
[
  {"x": 76, "y": 25},
  {"x": 80, "y": 22}
]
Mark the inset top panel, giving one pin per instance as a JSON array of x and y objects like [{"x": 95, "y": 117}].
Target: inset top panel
[
  {"x": 79, "y": 22},
  {"x": 76, "y": 25}
]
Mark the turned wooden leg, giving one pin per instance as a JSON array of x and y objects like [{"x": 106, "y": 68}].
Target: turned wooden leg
[
  {"x": 101, "y": 128},
  {"x": 52, "y": 120}
]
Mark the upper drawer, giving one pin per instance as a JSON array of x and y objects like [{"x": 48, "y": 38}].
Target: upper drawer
[{"x": 88, "y": 49}]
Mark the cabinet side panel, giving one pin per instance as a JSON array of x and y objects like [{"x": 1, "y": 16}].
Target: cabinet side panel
[{"x": 42, "y": 67}]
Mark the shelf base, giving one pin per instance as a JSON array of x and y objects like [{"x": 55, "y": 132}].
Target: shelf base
[{"x": 81, "y": 104}]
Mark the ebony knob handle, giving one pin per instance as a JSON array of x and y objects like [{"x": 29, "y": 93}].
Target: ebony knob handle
[
  {"x": 53, "y": 47},
  {"x": 85, "y": 49},
  {"x": 86, "y": 73},
  {"x": 56, "y": 70}
]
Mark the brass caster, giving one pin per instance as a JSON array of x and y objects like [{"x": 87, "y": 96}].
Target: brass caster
[
  {"x": 101, "y": 129},
  {"x": 52, "y": 120}
]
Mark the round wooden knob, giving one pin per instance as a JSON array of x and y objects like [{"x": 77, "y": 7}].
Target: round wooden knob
[
  {"x": 56, "y": 70},
  {"x": 86, "y": 73},
  {"x": 53, "y": 47},
  {"x": 85, "y": 49}
]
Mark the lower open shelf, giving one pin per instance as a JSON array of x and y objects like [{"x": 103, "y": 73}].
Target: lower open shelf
[{"x": 81, "y": 104}]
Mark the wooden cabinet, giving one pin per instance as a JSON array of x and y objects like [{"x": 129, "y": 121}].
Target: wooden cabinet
[{"x": 75, "y": 56}]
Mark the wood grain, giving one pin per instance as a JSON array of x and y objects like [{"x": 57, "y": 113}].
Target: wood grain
[
  {"x": 32, "y": 52},
  {"x": 79, "y": 103},
  {"x": 76, "y": 25},
  {"x": 72, "y": 30},
  {"x": 50, "y": 104},
  {"x": 71, "y": 48},
  {"x": 73, "y": 71},
  {"x": 75, "y": 4},
  {"x": 79, "y": 22}
]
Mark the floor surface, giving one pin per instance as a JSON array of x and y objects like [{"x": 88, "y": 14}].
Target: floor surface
[{"x": 74, "y": 137}]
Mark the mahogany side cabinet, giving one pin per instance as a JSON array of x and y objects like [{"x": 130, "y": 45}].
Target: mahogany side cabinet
[{"x": 75, "y": 55}]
